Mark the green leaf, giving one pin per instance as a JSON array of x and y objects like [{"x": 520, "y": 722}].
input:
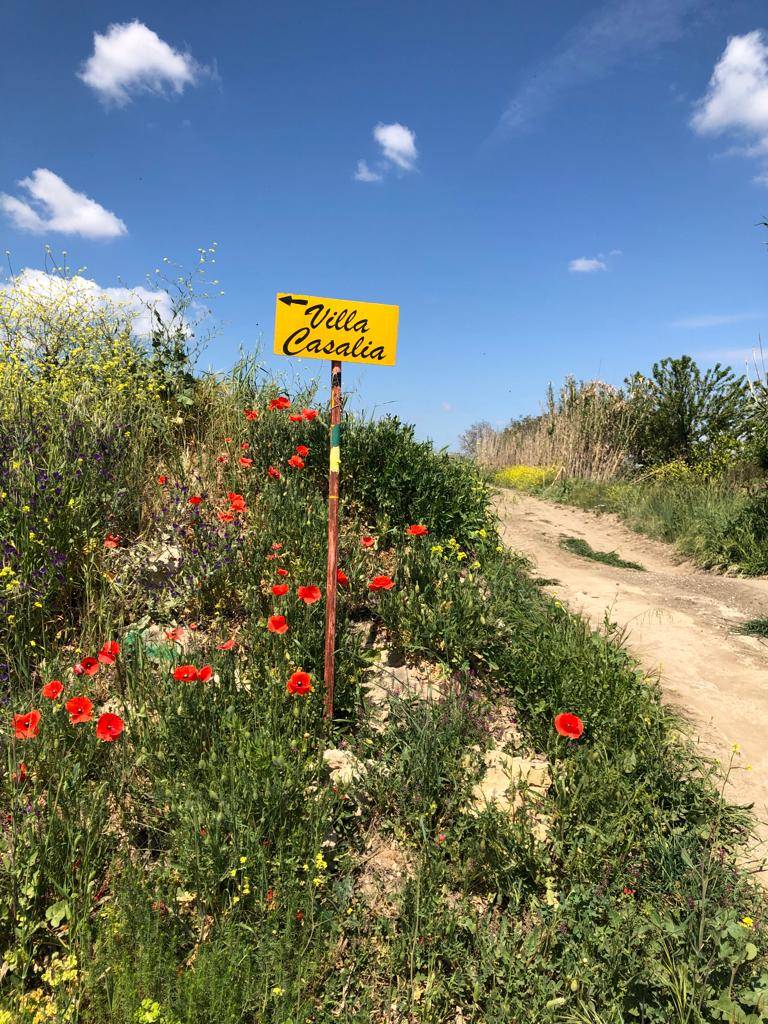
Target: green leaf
[{"x": 57, "y": 912}]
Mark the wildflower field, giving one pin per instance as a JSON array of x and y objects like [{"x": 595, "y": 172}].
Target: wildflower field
[{"x": 502, "y": 823}]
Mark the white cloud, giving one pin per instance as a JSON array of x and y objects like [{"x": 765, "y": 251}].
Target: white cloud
[
  {"x": 398, "y": 150},
  {"x": 130, "y": 58},
  {"x": 736, "y": 99},
  {"x": 364, "y": 172},
  {"x": 398, "y": 144},
  {"x": 586, "y": 265},
  {"x": 446, "y": 407},
  {"x": 737, "y": 96},
  {"x": 52, "y": 205},
  {"x": 715, "y": 320},
  {"x": 600, "y": 43},
  {"x": 137, "y": 303}
]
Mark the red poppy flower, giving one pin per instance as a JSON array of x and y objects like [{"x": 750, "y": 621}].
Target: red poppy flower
[
  {"x": 282, "y": 402},
  {"x": 112, "y": 540},
  {"x": 109, "y": 727},
  {"x": 162, "y": 480},
  {"x": 80, "y": 709},
  {"x": 227, "y": 440},
  {"x": 367, "y": 542},
  {"x": 21, "y": 774},
  {"x": 300, "y": 684},
  {"x": 195, "y": 499},
  {"x": 226, "y": 517},
  {"x": 342, "y": 579},
  {"x": 295, "y": 417},
  {"x": 309, "y": 414},
  {"x": 309, "y": 594},
  {"x": 302, "y": 450},
  {"x": 86, "y": 667},
  {"x": 244, "y": 446},
  {"x": 281, "y": 571},
  {"x": 222, "y": 459},
  {"x": 53, "y": 689},
  {"x": 204, "y": 674},
  {"x": 250, "y": 414},
  {"x": 193, "y": 625},
  {"x": 26, "y": 727},
  {"x": 274, "y": 473},
  {"x": 226, "y": 645},
  {"x": 277, "y": 624},
  {"x": 416, "y": 530},
  {"x": 569, "y": 725},
  {"x": 109, "y": 652},
  {"x": 236, "y": 502},
  {"x": 277, "y": 547},
  {"x": 175, "y": 634},
  {"x": 245, "y": 461},
  {"x": 381, "y": 583},
  {"x": 296, "y": 462},
  {"x": 185, "y": 674},
  {"x": 280, "y": 589}
]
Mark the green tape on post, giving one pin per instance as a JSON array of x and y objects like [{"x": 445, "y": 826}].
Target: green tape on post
[{"x": 335, "y": 436}]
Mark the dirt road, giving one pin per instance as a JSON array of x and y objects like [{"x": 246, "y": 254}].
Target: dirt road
[{"x": 679, "y": 622}]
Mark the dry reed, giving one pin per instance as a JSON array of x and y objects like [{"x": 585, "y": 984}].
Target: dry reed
[{"x": 585, "y": 430}]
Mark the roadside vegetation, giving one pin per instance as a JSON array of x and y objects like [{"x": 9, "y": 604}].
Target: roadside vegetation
[
  {"x": 578, "y": 546},
  {"x": 754, "y": 627},
  {"x": 185, "y": 840},
  {"x": 681, "y": 455}
]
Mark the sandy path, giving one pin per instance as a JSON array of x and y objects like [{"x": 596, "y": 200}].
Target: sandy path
[{"x": 679, "y": 622}]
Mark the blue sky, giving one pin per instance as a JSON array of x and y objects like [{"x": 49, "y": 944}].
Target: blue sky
[{"x": 514, "y": 139}]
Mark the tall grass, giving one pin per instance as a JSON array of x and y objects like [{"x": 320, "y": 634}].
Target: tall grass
[{"x": 585, "y": 431}]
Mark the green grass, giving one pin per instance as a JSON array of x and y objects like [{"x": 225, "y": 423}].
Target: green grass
[
  {"x": 578, "y": 546},
  {"x": 203, "y": 867},
  {"x": 754, "y": 627}
]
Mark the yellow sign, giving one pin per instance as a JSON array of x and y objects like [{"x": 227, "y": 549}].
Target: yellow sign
[{"x": 318, "y": 328}]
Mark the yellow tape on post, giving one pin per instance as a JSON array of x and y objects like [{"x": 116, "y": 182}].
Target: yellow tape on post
[{"x": 335, "y": 448}]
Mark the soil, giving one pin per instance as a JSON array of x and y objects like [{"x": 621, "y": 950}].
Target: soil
[{"x": 679, "y": 623}]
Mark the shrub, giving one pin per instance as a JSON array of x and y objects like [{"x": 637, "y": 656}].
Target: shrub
[
  {"x": 392, "y": 477},
  {"x": 678, "y": 409}
]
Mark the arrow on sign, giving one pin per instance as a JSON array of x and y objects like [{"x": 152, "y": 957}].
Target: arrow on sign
[{"x": 288, "y": 299}]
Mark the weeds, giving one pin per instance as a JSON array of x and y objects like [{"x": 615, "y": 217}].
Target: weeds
[
  {"x": 578, "y": 546},
  {"x": 754, "y": 627}
]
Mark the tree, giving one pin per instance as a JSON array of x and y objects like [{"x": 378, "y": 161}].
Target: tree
[
  {"x": 681, "y": 411},
  {"x": 473, "y": 436}
]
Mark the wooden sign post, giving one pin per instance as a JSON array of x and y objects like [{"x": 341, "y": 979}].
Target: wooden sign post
[
  {"x": 331, "y": 578},
  {"x": 340, "y": 330}
]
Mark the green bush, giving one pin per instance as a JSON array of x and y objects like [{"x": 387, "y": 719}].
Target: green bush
[
  {"x": 394, "y": 478},
  {"x": 679, "y": 409}
]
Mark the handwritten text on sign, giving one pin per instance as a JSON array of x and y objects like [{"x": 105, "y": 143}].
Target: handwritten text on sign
[{"x": 319, "y": 328}]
